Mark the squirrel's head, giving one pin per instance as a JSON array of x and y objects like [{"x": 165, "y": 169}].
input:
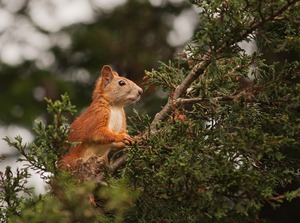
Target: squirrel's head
[{"x": 118, "y": 91}]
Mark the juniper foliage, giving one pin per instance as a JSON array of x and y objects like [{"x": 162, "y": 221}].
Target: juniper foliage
[{"x": 219, "y": 150}]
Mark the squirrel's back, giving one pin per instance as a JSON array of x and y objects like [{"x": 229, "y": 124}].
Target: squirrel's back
[{"x": 103, "y": 125}]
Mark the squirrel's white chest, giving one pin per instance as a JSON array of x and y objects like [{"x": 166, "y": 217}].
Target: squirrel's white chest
[{"x": 116, "y": 120}]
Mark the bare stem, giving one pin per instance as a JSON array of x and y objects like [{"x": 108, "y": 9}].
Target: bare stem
[
  {"x": 195, "y": 100},
  {"x": 180, "y": 90}
]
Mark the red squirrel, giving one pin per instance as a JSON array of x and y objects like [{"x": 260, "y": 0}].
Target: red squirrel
[{"x": 103, "y": 125}]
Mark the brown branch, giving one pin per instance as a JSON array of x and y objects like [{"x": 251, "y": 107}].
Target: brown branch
[
  {"x": 279, "y": 197},
  {"x": 226, "y": 99},
  {"x": 197, "y": 70},
  {"x": 195, "y": 100},
  {"x": 115, "y": 165},
  {"x": 256, "y": 25}
]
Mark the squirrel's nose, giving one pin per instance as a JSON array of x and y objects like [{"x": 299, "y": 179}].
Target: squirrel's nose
[{"x": 140, "y": 90}]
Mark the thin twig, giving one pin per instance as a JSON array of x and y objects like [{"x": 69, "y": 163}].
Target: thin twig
[
  {"x": 228, "y": 98},
  {"x": 195, "y": 100}
]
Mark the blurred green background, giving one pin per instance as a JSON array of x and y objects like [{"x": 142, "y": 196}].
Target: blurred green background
[{"x": 51, "y": 47}]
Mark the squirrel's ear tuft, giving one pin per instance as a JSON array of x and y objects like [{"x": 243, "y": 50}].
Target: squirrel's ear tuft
[{"x": 107, "y": 74}]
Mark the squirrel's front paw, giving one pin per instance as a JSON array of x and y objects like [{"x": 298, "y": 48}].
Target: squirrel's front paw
[
  {"x": 128, "y": 140},
  {"x": 125, "y": 138}
]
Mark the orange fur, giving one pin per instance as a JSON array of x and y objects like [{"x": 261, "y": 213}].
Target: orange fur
[{"x": 103, "y": 125}]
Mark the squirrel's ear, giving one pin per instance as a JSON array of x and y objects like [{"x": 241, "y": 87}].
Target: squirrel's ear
[{"x": 107, "y": 74}]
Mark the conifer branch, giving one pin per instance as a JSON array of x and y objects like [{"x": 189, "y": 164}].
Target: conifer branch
[
  {"x": 200, "y": 67},
  {"x": 197, "y": 71}
]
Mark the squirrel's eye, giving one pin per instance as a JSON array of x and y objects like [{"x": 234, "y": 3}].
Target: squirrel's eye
[{"x": 121, "y": 83}]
